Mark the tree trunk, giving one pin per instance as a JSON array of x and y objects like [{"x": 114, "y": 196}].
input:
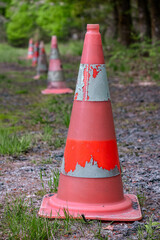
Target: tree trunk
[
  {"x": 115, "y": 18},
  {"x": 124, "y": 22},
  {"x": 144, "y": 19},
  {"x": 155, "y": 19}
]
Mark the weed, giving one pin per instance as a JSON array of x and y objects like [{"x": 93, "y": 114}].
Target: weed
[
  {"x": 141, "y": 197},
  {"x": 47, "y": 134},
  {"x": 23, "y": 91},
  {"x": 8, "y": 118},
  {"x": 58, "y": 142},
  {"x": 40, "y": 193},
  {"x": 67, "y": 221},
  {"x": 66, "y": 119},
  {"x": 52, "y": 182},
  {"x": 38, "y": 116},
  {"x": 149, "y": 231},
  {"x": 46, "y": 161},
  {"x": 10, "y": 54},
  {"x": 11, "y": 143},
  {"x": 98, "y": 234},
  {"x": 3, "y": 77},
  {"x": 22, "y": 222}
]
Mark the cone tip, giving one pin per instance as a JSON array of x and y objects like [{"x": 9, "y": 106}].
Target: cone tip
[
  {"x": 93, "y": 27},
  {"x": 41, "y": 44},
  {"x": 54, "y": 39}
]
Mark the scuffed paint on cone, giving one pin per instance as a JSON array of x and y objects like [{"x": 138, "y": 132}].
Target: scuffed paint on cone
[
  {"x": 30, "y": 49},
  {"x": 90, "y": 180},
  {"x": 56, "y": 80},
  {"x": 35, "y": 54},
  {"x": 42, "y": 66}
]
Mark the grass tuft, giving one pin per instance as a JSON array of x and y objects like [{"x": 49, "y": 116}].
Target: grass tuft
[
  {"x": 12, "y": 144},
  {"x": 23, "y": 223}
]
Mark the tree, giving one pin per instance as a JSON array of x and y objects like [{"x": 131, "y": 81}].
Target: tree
[
  {"x": 124, "y": 21},
  {"x": 144, "y": 19},
  {"x": 21, "y": 24},
  {"x": 155, "y": 19},
  {"x": 115, "y": 18}
]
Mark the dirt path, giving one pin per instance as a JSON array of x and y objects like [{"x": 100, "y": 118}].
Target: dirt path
[{"x": 136, "y": 112}]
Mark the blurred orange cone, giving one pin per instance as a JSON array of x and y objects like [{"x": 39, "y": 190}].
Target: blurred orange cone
[
  {"x": 56, "y": 82},
  {"x": 42, "y": 66},
  {"x": 30, "y": 49},
  {"x": 35, "y": 54},
  {"x": 90, "y": 180}
]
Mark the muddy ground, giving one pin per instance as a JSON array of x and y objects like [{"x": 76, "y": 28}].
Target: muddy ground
[{"x": 136, "y": 111}]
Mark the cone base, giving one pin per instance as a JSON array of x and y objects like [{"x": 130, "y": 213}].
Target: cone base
[
  {"x": 126, "y": 210},
  {"x": 29, "y": 57},
  {"x": 36, "y": 77},
  {"x": 57, "y": 91}
]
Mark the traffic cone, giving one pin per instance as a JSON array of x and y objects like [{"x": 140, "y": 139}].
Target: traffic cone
[
  {"x": 56, "y": 82},
  {"x": 30, "y": 49},
  {"x": 90, "y": 180},
  {"x": 42, "y": 66},
  {"x": 35, "y": 54}
]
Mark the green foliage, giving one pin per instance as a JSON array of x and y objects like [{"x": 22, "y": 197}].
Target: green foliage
[
  {"x": 47, "y": 134},
  {"x": 20, "y": 221},
  {"x": 52, "y": 182},
  {"x": 23, "y": 223},
  {"x": 10, "y": 54},
  {"x": 21, "y": 24},
  {"x": 141, "y": 58},
  {"x": 11, "y": 143},
  {"x": 54, "y": 19},
  {"x": 61, "y": 18},
  {"x": 150, "y": 230}
]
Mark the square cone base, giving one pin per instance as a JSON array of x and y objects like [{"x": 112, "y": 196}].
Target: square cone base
[
  {"x": 57, "y": 91},
  {"x": 125, "y": 210}
]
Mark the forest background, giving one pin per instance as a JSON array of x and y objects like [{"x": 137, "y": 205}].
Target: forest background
[{"x": 127, "y": 21}]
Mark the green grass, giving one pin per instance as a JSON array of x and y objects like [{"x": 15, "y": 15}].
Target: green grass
[
  {"x": 10, "y": 54},
  {"x": 52, "y": 182},
  {"x": 141, "y": 198},
  {"x": 20, "y": 222},
  {"x": 72, "y": 47},
  {"x": 150, "y": 231},
  {"x": 139, "y": 62},
  {"x": 22, "y": 91},
  {"x": 12, "y": 144},
  {"x": 47, "y": 134},
  {"x": 23, "y": 223},
  {"x": 8, "y": 117}
]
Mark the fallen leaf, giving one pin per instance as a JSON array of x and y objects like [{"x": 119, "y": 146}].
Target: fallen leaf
[{"x": 108, "y": 227}]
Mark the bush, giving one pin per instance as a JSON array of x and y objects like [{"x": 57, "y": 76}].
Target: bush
[
  {"x": 54, "y": 19},
  {"x": 20, "y": 28}
]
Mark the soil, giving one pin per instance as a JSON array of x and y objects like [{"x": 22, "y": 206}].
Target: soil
[{"x": 136, "y": 111}]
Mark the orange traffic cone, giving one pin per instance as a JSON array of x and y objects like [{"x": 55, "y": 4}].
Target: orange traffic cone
[
  {"x": 56, "y": 82},
  {"x": 90, "y": 180},
  {"x": 30, "y": 49},
  {"x": 35, "y": 54},
  {"x": 42, "y": 66}
]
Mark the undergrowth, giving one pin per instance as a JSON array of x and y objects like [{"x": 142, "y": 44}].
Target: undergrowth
[
  {"x": 52, "y": 182},
  {"x": 12, "y": 143},
  {"x": 20, "y": 222},
  {"x": 140, "y": 61}
]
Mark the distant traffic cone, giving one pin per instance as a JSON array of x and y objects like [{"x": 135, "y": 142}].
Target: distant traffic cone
[
  {"x": 35, "y": 54},
  {"x": 90, "y": 180},
  {"x": 30, "y": 49},
  {"x": 42, "y": 66},
  {"x": 56, "y": 82}
]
